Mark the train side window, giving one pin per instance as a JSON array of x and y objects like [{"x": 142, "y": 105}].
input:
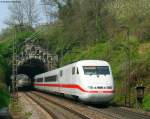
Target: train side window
[
  {"x": 40, "y": 80},
  {"x": 61, "y": 73},
  {"x": 77, "y": 70},
  {"x": 51, "y": 78},
  {"x": 73, "y": 70}
]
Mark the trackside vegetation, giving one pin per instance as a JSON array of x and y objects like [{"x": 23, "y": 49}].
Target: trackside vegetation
[
  {"x": 5, "y": 62},
  {"x": 4, "y": 98},
  {"x": 116, "y": 31},
  {"x": 4, "y": 95}
]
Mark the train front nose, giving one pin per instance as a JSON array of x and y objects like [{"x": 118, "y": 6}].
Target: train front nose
[
  {"x": 97, "y": 97},
  {"x": 98, "y": 92}
]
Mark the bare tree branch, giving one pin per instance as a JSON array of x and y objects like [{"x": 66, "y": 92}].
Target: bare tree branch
[{"x": 24, "y": 13}]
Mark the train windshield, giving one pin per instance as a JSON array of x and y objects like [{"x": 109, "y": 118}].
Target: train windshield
[{"x": 96, "y": 70}]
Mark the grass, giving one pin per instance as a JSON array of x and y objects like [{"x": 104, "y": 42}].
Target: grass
[{"x": 28, "y": 114}]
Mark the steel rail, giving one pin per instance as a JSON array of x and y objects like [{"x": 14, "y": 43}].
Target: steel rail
[
  {"x": 131, "y": 114},
  {"x": 43, "y": 107},
  {"x": 110, "y": 112},
  {"x": 119, "y": 113},
  {"x": 62, "y": 106}
]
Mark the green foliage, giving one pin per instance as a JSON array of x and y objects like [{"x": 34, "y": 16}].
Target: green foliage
[
  {"x": 105, "y": 30},
  {"x": 94, "y": 52},
  {"x": 119, "y": 94},
  {"x": 4, "y": 97},
  {"x": 116, "y": 31},
  {"x": 146, "y": 102},
  {"x": 6, "y": 43},
  {"x": 28, "y": 114},
  {"x": 132, "y": 13},
  {"x": 6, "y": 46}
]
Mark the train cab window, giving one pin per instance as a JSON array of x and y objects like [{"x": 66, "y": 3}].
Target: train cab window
[
  {"x": 103, "y": 70},
  {"x": 96, "y": 70},
  {"x": 73, "y": 70},
  {"x": 61, "y": 73}
]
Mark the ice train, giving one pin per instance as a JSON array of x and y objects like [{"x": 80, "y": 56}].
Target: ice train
[
  {"x": 22, "y": 81},
  {"x": 87, "y": 80}
]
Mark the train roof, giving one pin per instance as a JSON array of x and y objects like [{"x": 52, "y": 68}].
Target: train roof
[
  {"x": 84, "y": 62},
  {"x": 92, "y": 61},
  {"x": 81, "y": 62}
]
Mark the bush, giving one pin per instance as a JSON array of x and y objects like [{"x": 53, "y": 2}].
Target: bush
[
  {"x": 146, "y": 102},
  {"x": 4, "y": 97}
]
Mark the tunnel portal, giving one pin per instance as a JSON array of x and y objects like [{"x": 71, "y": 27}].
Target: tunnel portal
[
  {"x": 32, "y": 67},
  {"x": 33, "y": 60}
]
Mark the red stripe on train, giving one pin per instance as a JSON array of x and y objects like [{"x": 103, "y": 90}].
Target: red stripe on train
[{"x": 74, "y": 87}]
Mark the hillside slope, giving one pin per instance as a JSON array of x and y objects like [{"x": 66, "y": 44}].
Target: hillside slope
[{"x": 116, "y": 31}]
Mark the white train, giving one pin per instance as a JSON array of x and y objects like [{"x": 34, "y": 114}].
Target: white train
[
  {"x": 22, "y": 81},
  {"x": 87, "y": 80}
]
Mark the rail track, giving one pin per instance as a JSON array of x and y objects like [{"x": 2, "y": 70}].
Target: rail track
[
  {"x": 120, "y": 113},
  {"x": 56, "y": 110},
  {"x": 42, "y": 106},
  {"x": 91, "y": 112}
]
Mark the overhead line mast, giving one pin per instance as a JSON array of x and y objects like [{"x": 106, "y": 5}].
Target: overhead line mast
[{"x": 14, "y": 62}]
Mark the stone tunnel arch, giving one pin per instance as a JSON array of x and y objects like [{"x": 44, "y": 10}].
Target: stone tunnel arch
[
  {"x": 32, "y": 67},
  {"x": 33, "y": 60}
]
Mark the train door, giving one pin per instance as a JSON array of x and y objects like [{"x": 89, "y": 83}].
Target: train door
[
  {"x": 68, "y": 78},
  {"x": 73, "y": 75},
  {"x": 73, "y": 78},
  {"x": 43, "y": 81},
  {"x": 60, "y": 81}
]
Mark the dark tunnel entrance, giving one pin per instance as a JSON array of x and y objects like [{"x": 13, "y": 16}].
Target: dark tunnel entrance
[{"x": 31, "y": 68}]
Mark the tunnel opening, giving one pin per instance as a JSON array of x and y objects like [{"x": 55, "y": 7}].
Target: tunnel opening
[{"x": 32, "y": 67}]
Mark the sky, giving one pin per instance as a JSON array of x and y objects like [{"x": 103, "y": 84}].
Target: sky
[{"x": 4, "y": 14}]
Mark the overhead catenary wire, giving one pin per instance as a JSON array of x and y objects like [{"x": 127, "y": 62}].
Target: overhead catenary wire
[{"x": 14, "y": 65}]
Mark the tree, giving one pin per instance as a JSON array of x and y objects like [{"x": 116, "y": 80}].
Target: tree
[
  {"x": 17, "y": 14},
  {"x": 24, "y": 13},
  {"x": 50, "y": 10},
  {"x": 30, "y": 11}
]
